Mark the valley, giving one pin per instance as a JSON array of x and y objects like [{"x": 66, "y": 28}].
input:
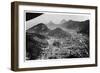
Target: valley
[{"x": 58, "y": 43}]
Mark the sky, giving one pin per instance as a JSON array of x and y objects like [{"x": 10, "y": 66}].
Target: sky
[{"x": 55, "y": 18}]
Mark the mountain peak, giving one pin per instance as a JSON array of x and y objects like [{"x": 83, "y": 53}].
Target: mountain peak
[
  {"x": 39, "y": 28},
  {"x": 58, "y": 29},
  {"x": 63, "y": 21},
  {"x": 59, "y": 33},
  {"x": 50, "y": 22}
]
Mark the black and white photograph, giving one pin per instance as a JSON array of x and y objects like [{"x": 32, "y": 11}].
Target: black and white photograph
[{"x": 54, "y": 35}]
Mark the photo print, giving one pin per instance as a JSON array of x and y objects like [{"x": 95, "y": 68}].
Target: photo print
[{"x": 56, "y": 35}]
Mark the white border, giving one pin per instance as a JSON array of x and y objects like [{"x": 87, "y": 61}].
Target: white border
[{"x": 57, "y": 62}]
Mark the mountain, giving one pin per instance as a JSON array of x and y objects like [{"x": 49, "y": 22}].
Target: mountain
[
  {"x": 59, "y": 33},
  {"x": 71, "y": 24},
  {"x": 79, "y": 26},
  {"x": 84, "y": 28},
  {"x": 39, "y": 28},
  {"x": 52, "y": 25},
  {"x": 63, "y": 21}
]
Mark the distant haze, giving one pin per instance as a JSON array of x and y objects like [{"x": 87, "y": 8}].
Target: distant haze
[{"x": 55, "y": 18}]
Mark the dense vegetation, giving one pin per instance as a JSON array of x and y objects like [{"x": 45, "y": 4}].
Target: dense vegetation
[{"x": 44, "y": 43}]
